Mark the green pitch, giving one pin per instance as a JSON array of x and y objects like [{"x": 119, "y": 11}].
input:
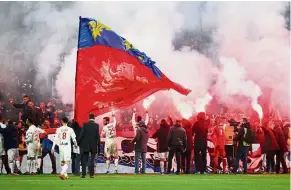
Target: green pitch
[{"x": 148, "y": 182}]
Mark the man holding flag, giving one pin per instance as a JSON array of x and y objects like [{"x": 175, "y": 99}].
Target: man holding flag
[{"x": 112, "y": 72}]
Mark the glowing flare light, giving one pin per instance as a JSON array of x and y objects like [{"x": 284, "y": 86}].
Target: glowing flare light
[
  {"x": 185, "y": 109},
  {"x": 258, "y": 108},
  {"x": 148, "y": 101},
  {"x": 202, "y": 102}
]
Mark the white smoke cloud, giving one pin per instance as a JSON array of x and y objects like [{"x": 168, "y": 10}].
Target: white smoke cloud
[
  {"x": 151, "y": 32},
  {"x": 253, "y": 33},
  {"x": 250, "y": 32}
]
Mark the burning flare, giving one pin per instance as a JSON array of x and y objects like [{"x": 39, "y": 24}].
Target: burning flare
[
  {"x": 148, "y": 101},
  {"x": 202, "y": 102},
  {"x": 185, "y": 109},
  {"x": 258, "y": 108}
]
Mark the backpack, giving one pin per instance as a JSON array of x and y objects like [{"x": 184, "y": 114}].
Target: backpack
[{"x": 249, "y": 137}]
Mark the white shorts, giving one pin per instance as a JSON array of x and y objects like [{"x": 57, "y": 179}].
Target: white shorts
[
  {"x": 12, "y": 154},
  {"x": 163, "y": 155},
  {"x": 2, "y": 150},
  {"x": 65, "y": 153},
  {"x": 33, "y": 150},
  {"x": 110, "y": 149}
]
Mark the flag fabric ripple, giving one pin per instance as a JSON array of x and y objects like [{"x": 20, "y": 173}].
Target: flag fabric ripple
[{"x": 111, "y": 73}]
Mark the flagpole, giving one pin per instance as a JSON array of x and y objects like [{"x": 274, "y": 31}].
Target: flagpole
[{"x": 77, "y": 69}]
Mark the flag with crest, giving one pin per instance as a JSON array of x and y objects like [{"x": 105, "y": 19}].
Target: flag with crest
[{"x": 111, "y": 73}]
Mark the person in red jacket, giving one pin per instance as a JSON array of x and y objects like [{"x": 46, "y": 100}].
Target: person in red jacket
[
  {"x": 269, "y": 146},
  {"x": 283, "y": 148},
  {"x": 219, "y": 142}
]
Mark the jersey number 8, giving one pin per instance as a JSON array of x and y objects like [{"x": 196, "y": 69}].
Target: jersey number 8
[{"x": 64, "y": 136}]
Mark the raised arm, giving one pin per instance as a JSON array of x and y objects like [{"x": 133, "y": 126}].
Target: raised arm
[
  {"x": 133, "y": 119},
  {"x": 18, "y": 105},
  {"x": 114, "y": 120},
  {"x": 147, "y": 118}
]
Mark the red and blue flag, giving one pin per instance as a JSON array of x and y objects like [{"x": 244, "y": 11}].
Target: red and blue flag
[{"x": 111, "y": 73}]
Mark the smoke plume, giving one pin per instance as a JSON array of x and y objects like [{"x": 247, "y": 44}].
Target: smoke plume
[{"x": 44, "y": 35}]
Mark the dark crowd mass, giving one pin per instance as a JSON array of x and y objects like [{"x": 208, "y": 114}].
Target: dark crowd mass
[{"x": 182, "y": 140}]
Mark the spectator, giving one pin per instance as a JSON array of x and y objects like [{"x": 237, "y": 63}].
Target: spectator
[
  {"x": 219, "y": 143},
  {"x": 229, "y": 143},
  {"x": 76, "y": 157},
  {"x": 10, "y": 143},
  {"x": 22, "y": 149},
  {"x": 3, "y": 153},
  {"x": 140, "y": 140},
  {"x": 44, "y": 113},
  {"x": 269, "y": 146},
  {"x": 186, "y": 156},
  {"x": 200, "y": 130},
  {"x": 89, "y": 142},
  {"x": 23, "y": 106},
  {"x": 34, "y": 113},
  {"x": 177, "y": 142},
  {"x": 243, "y": 147},
  {"x": 162, "y": 145},
  {"x": 278, "y": 132}
]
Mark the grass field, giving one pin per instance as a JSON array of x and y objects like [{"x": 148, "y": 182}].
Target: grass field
[{"x": 147, "y": 182}]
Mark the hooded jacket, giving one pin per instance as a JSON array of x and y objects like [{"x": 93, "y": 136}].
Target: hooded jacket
[
  {"x": 200, "y": 130},
  {"x": 162, "y": 136},
  {"x": 188, "y": 128},
  {"x": 177, "y": 137},
  {"x": 270, "y": 142},
  {"x": 278, "y": 132},
  {"x": 141, "y": 139}
]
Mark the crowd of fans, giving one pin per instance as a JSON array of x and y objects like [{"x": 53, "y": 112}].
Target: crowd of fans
[{"x": 225, "y": 130}]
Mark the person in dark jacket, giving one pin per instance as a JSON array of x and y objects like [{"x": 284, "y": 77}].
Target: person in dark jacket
[
  {"x": 243, "y": 147},
  {"x": 186, "y": 156},
  {"x": 89, "y": 143},
  {"x": 10, "y": 135},
  {"x": 140, "y": 140},
  {"x": 278, "y": 132},
  {"x": 34, "y": 113},
  {"x": 23, "y": 106},
  {"x": 3, "y": 153},
  {"x": 162, "y": 145},
  {"x": 76, "y": 157},
  {"x": 269, "y": 146},
  {"x": 200, "y": 130},
  {"x": 177, "y": 142}
]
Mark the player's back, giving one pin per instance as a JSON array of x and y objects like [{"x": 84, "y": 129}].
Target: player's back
[
  {"x": 29, "y": 137},
  {"x": 36, "y": 134},
  {"x": 65, "y": 134}
]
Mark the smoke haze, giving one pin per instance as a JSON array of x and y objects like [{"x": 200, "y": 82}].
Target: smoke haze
[{"x": 44, "y": 35}]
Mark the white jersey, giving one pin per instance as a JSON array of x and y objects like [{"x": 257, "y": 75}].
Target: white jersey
[
  {"x": 33, "y": 135},
  {"x": 2, "y": 152},
  {"x": 109, "y": 131},
  {"x": 1, "y": 136},
  {"x": 64, "y": 135}
]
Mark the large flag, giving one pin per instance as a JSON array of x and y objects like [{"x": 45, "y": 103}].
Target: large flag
[{"x": 111, "y": 73}]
